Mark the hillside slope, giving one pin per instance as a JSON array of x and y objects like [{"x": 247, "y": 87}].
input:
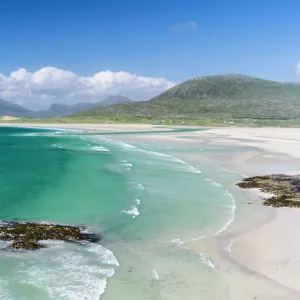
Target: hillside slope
[
  {"x": 10, "y": 109},
  {"x": 218, "y": 97},
  {"x": 59, "y": 110}
]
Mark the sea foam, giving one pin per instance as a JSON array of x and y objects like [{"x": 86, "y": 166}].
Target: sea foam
[
  {"x": 132, "y": 211},
  {"x": 207, "y": 261},
  {"x": 155, "y": 274},
  {"x": 4, "y": 291},
  {"x": 78, "y": 272},
  {"x": 100, "y": 148},
  {"x": 232, "y": 208},
  {"x": 57, "y": 145}
]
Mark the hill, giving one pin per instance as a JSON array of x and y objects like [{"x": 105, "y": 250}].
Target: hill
[
  {"x": 10, "y": 109},
  {"x": 115, "y": 100},
  {"x": 221, "y": 97},
  {"x": 59, "y": 110}
]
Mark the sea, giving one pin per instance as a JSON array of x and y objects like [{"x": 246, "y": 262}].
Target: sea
[{"x": 145, "y": 202}]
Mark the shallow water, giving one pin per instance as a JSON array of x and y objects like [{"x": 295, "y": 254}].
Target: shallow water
[{"x": 145, "y": 203}]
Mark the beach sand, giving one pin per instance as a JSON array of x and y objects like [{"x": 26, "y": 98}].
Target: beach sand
[{"x": 258, "y": 255}]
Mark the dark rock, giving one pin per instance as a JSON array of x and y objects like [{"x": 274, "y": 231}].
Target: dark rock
[
  {"x": 28, "y": 245},
  {"x": 27, "y": 235},
  {"x": 286, "y": 189}
]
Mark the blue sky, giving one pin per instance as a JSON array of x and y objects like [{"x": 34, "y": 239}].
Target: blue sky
[
  {"x": 256, "y": 37},
  {"x": 174, "y": 39}
]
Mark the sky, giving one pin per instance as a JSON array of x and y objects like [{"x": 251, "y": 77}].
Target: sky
[{"x": 68, "y": 51}]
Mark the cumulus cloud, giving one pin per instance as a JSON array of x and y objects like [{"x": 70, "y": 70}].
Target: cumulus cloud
[
  {"x": 37, "y": 90},
  {"x": 187, "y": 25}
]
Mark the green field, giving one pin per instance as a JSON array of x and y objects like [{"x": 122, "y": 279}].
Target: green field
[{"x": 153, "y": 121}]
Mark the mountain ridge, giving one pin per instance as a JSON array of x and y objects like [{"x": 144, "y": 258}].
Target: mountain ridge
[
  {"x": 11, "y": 109},
  {"x": 56, "y": 109},
  {"x": 223, "y": 97},
  {"x": 61, "y": 110}
]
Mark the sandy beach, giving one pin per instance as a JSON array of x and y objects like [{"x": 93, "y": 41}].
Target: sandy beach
[{"x": 259, "y": 253}]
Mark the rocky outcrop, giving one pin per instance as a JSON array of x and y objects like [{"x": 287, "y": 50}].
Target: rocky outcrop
[
  {"x": 285, "y": 188},
  {"x": 27, "y": 236}
]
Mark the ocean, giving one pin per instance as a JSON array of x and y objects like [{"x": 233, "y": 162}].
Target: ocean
[{"x": 146, "y": 203}]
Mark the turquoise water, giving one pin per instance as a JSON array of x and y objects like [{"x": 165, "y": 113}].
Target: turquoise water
[{"x": 141, "y": 199}]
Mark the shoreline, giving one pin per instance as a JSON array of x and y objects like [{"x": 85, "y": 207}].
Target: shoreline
[
  {"x": 260, "y": 242},
  {"x": 268, "y": 156},
  {"x": 95, "y": 127}
]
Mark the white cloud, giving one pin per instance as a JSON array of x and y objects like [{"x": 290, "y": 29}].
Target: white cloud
[
  {"x": 297, "y": 70},
  {"x": 48, "y": 85},
  {"x": 187, "y": 25},
  {"x": 193, "y": 24}
]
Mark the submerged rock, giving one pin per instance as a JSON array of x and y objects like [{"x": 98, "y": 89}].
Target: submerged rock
[
  {"x": 285, "y": 188},
  {"x": 28, "y": 245},
  {"x": 27, "y": 235}
]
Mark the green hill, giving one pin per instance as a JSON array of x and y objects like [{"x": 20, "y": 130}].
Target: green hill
[{"x": 221, "y": 97}]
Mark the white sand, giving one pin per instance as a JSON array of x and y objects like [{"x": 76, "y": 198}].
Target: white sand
[
  {"x": 280, "y": 140},
  {"x": 91, "y": 127},
  {"x": 272, "y": 250}
]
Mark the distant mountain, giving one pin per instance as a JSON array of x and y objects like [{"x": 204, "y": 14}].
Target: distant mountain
[
  {"x": 10, "y": 109},
  {"x": 115, "y": 100},
  {"x": 220, "y": 97},
  {"x": 60, "y": 110}
]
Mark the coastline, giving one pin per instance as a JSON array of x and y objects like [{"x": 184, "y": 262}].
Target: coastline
[
  {"x": 272, "y": 248},
  {"x": 261, "y": 242},
  {"x": 254, "y": 234},
  {"x": 92, "y": 127}
]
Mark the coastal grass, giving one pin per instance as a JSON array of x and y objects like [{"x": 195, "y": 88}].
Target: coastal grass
[{"x": 159, "y": 121}]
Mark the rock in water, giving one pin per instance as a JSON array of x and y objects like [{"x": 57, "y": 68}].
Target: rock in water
[
  {"x": 26, "y": 245},
  {"x": 286, "y": 188},
  {"x": 27, "y": 235}
]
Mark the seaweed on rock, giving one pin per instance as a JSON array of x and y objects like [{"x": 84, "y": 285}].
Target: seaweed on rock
[
  {"x": 285, "y": 188},
  {"x": 27, "y": 236}
]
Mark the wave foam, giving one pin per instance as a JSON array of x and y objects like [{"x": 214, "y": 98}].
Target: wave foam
[
  {"x": 47, "y": 223},
  {"x": 118, "y": 143},
  {"x": 181, "y": 242},
  {"x": 76, "y": 273},
  {"x": 29, "y": 134},
  {"x": 132, "y": 211},
  {"x": 140, "y": 187},
  {"x": 57, "y": 145},
  {"x": 4, "y": 291},
  {"x": 127, "y": 165},
  {"x": 107, "y": 256},
  {"x": 100, "y": 148},
  {"x": 213, "y": 182},
  {"x": 155, "y": 274},
  {"x": 207, "y": 261},
  {"x": 232, "y": 213},
  {"x": 222, "y": 169},
  {"x": 177, "y": 241},
  {"x": 167, "y": 157}
]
